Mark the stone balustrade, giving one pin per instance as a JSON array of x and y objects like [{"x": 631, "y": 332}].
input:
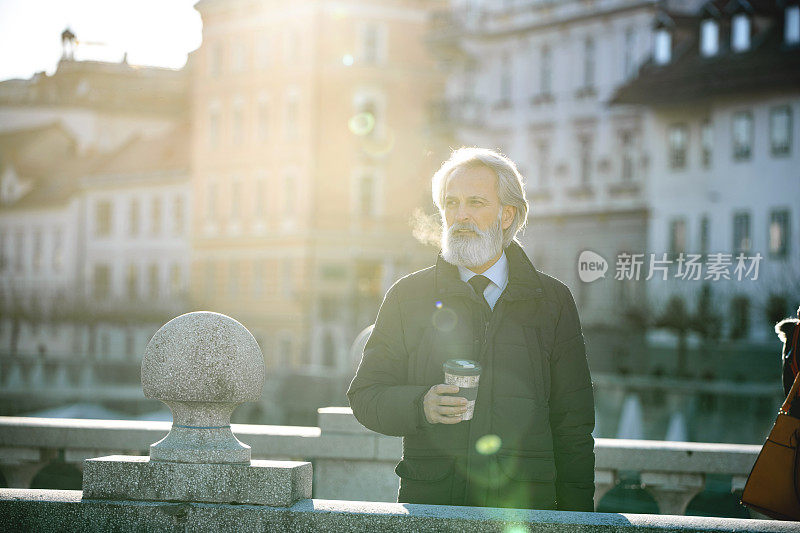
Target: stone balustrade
[{"x": 353, "y": 463}]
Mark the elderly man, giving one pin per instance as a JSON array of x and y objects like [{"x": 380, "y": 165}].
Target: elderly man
[{"x": 529, "y": 443}]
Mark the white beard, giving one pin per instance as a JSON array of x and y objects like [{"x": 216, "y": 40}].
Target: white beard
[{"x": 471, "y": 251}]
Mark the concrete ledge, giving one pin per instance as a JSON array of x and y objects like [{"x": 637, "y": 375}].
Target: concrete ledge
[
  {"x": 126, "y": 477},
  {"x": 44, "y": 510}
]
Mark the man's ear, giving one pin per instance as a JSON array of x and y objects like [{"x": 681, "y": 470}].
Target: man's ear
[{"x": 509, "y": 211}]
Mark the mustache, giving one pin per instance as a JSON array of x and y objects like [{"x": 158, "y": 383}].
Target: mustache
[{"x": 460, "y": 226}]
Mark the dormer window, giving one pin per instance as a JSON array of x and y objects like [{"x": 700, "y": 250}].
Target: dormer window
[
  {"x": 740, "y": 33},
  {"x": 709, "y": 38},
  {"x": 791, "y": 30},
  {"x": 663, "y": 46}
]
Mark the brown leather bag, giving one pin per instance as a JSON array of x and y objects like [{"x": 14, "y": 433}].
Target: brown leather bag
[{"x": 772, "y": 487}]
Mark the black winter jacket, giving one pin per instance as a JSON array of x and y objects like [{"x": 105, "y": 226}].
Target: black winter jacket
[{"x": 534, "y": 402}]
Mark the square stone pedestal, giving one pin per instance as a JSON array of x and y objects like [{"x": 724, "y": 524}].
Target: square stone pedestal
[{"x": 130, "y": 477}]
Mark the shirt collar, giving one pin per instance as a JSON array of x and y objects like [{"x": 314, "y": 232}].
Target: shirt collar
[{"x": 497, "y": 273}]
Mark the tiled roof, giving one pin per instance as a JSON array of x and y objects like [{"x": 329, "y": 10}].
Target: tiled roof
[
  {"x": 142, "y": 155},
  {"x": 768, "y": 65}
]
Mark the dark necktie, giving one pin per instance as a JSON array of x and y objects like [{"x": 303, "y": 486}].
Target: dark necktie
[{"x": 479, "y": 283}]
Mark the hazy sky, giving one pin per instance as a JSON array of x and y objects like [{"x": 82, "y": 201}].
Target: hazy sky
[{"x": 153, "y": 32}]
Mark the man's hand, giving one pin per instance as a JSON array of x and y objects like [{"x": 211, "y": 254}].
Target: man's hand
[{"x": 443, "y": 409}]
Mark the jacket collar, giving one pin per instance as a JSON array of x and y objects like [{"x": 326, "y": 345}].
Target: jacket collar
[{"x": 523, "y": 280}]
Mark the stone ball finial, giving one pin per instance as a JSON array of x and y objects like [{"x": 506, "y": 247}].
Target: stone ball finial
[{"x": 202, "y": 365}]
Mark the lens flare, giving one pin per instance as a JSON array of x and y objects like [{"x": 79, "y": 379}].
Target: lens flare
[
  {"x": 361, "y": 123},
  {"x": 516, "y": 528},
  {"x": 488, "y": 444},
  {"x": 378, "y": 147}
]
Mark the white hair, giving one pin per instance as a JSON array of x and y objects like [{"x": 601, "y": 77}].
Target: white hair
[{"x": 510, "y": 186}]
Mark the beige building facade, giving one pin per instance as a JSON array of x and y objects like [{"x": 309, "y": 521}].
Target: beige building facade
[{"x": 311, "y": 149}]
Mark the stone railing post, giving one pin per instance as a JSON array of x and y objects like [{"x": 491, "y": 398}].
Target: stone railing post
[
  {"x": 604, "y": 481},
  {"x": 202, "y": 365},
  {"x": 672, "y": 491}
]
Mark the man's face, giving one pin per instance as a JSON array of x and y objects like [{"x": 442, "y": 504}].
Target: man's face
[
  {"x": 471, "y": 196},
  {"x": 473, "y": 217}
]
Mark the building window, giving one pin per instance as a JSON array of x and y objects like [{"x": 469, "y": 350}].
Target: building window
[
  {"x": 238, "y": 123},
  {"x": 740, "y": 312},
  {"x": 156, "y": 216},
  {"x": 366, "y": 196},
  {"x": 779, "y": 233},
  {"x": 628, "y": 156},
  {"x": 290, "y": 122},
  {"x": 213, "y": 126},
  {"x": 663, "y": 46},
  {"x": 706, "y": 143},
  {"x": 585, "y": 147},
  {"x": 289, "y": 195},
  {"x": 287, "y": 278},
  {"x": 236, "y": 198},
  {"x": 129, "y": 344},
  {"x": 175, "y": 280},
  {"x": 740, "y": 33},
  {"x": 179, "y": 215},
  {"x": 102, "y": 218},
  {"x": 263, "y": 49},
  {"x": 543, "y": 163},
  {"x": 780, "y": 130},
  {"x": 36, "y": 263},
  {"x": 705, "y": 228},
  {"x": 372, "y": 39},
  {"x": 366, "y": 122},
  {"x": 741, "y": 233},
  {"x": 285, "y": 355},
  {"x": 58, "y": 250},
  {"x": 329, "y": 350},
  {"x": 101, "y": 281},
  {"x": 629, "y": 64},
  {"x": 585, "y": 162},
  {"x": 546, "y": 71},
  {"x": 239, "y": 57},
  {"x": 677, "y": 236},
  {"x": 134, "y": 217},
  {"x": 709, "y": 38},
  {"x": 261, "y": 197},
  {"x": 132, "y": 282},
  {"x": 259, "y": 275},
  {"x": 152, "y": 280},
  {"x": 588, "y": 63},
  {"x": 211, "y": 200},
  {"x": 19, "y": 243},
  {"x": 505, "y": 80},
  {"x": 742, "y": 135},
  {"x": 263, "y": 119},
  {"x": 211, "y": 278},
  {"x": 291, "y": 46},
  {"x": 3, "y": 255},
  {"x": 677, "y": 146},
  {"x": 791, "y": 28},
  {"x": 215, "y": 60}
]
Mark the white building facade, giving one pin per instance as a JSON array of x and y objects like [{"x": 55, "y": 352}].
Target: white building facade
[{"x": 725, "y": 179}]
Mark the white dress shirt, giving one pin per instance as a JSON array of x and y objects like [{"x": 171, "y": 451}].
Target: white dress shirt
[{"x": 498, "y": 278}]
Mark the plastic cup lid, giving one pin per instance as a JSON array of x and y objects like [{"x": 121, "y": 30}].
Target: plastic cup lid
[{"x": 462, "y": 367}]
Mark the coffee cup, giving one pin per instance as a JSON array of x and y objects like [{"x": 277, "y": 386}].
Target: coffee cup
[{"x": 464, "y": 374}]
